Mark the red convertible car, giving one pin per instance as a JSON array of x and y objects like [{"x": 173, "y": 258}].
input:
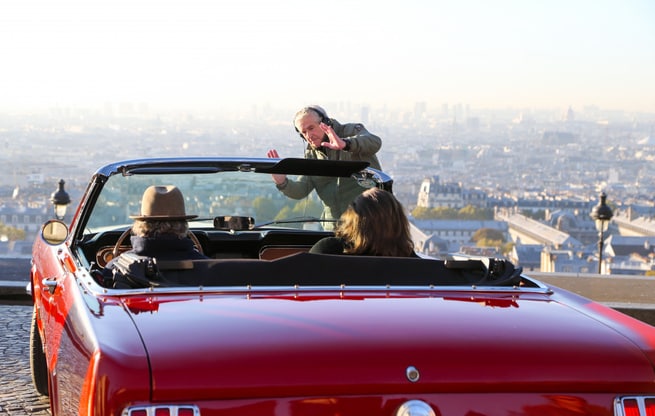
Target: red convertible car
[{"x": 263, "y": 327}]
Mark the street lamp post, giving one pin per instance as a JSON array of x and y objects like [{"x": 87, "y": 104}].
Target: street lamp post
[
  {"x": 601, "y": 214},
  {"x": 60, "y": 200}
]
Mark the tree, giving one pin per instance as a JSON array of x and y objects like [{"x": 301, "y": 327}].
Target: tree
[
  {"x": 307, "y": 208},
  {"x": 11, "y": 234},
  {"x": 421, "y": 213},
  {"x": 444, "y": 213},
  {"x": 488, "y": 234},
  {"x": 468, "y": 212},
  {"x": 284, "y": 213},
  {"x": 507, "y": 248},
  {"x": 264, "y": 208}
]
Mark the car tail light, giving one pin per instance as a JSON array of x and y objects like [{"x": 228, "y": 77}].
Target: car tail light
[
  {"x": 650, "y": 406},
  {"x": 635, "y": 406},
  {"x": 168, "y": 410}
]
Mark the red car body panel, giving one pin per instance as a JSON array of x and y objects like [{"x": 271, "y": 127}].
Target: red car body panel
[
  {"x": 363, "y": 345},
  {"x": 252, "y": 346},
  {"x": 331, "y": 351},
  {"x": 326, "y": 351},
  {"x": 89, "y": 339}
]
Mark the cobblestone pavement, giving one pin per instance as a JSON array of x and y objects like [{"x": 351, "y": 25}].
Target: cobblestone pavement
[{"x": 17, "y": 394}]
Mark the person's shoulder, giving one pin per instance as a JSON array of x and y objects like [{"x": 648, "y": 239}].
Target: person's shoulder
[
  {"x": 353, "y": 128},
  {"x": 328, "y": 245}
]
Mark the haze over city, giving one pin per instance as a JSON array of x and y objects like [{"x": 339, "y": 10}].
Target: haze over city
[{"x": 218, "y": 56}]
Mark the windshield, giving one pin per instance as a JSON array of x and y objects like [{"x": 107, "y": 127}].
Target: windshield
[{"x": 208, "y": 196}]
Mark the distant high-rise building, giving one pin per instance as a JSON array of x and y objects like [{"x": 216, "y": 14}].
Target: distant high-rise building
[
  {"x": 420, "y": 110},
  {"x": 569, "y": 115},
  {"x": 365, "y": 114}
]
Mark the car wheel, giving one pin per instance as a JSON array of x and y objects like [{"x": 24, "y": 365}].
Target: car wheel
[{"x": 38, "y": 365}]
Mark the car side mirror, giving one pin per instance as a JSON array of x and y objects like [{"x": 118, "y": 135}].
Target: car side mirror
[{"x": 54, "y": 232}]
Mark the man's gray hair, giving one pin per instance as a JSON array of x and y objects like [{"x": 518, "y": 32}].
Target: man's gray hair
[{"x": 316, "y": 110}]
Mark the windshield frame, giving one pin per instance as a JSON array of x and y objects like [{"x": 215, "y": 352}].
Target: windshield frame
[{"x": 82, "y": 224}]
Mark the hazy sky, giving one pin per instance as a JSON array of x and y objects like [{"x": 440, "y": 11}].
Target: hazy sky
[{"x": 194, "y": 53}]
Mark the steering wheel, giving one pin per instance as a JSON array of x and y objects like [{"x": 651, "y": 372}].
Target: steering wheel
[{"x": 116, "y": 252}]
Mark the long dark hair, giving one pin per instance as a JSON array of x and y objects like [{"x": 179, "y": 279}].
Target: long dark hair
[{"x": 375, "y": 224}]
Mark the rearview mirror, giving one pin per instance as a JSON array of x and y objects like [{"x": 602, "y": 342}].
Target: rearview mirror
[{"x": 234, "y": 223}]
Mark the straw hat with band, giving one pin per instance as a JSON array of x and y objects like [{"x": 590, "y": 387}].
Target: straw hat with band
[{"x": 162, "y": 203}]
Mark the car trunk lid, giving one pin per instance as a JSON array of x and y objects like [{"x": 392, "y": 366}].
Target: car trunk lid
[{"x": 339, "y": 343}]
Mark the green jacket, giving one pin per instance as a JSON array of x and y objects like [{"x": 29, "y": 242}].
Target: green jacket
[{"x": 337, "y": 193}]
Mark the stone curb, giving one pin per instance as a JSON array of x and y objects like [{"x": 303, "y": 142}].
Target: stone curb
[{"x": 9, "y": 288}]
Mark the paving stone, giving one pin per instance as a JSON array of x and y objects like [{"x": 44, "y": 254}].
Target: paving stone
[{"x": 17, "y": 394}]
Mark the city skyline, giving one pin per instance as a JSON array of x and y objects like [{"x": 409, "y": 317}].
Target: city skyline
[{"x": 198, "y": 55}]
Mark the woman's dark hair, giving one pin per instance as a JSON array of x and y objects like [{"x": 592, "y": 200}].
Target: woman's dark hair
[{"x": 375, "y": 224}]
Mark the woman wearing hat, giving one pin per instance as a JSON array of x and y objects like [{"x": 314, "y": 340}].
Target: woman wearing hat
[{"x": 160, "y": 231}]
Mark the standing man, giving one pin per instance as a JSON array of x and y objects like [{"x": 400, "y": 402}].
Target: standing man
[{"x": 328, "y": 139}]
